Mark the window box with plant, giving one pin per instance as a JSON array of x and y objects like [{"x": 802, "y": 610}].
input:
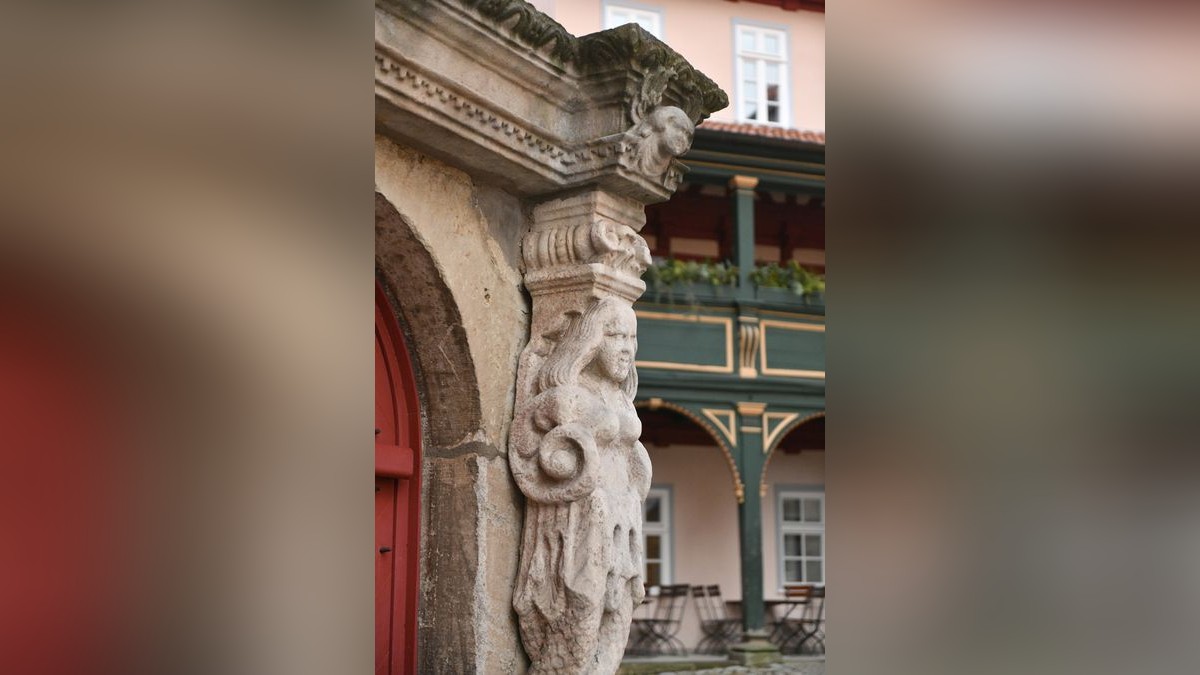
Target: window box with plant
[
  {"x": 787, "y": 283},
  {"x": 672, "y": 280}
]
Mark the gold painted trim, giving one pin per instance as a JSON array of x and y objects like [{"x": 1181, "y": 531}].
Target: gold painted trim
[
  {"x": 793, "y": 315},
  {"x": 773, "y": 433},
  {"x": 786, "y": 372},
  {"x": 726, "y": 321},
  {"x": 752, "y": 430},
  {"x": 739, "y": 488},
  {"x": 725, "y": 424},
  {"x": 741, "y": 182},
  {"x": 751, "y": 408},
  {"x": 762, "y": 480}
]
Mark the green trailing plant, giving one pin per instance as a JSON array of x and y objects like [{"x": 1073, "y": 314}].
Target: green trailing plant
[
  {"x": 791, "y": 276},
  {"x": 669, "y": 272},
  {"x": 666, "y": 274}
]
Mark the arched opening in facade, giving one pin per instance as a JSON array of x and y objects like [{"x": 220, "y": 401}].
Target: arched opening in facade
[
  {"x": 793, "y": 487},
  {"x": 691, "y": 516}
]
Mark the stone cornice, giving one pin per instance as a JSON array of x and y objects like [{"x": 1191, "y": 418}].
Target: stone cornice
[
  {"x": 667, "y": 76},
  {"x": 621, "y": 47},
  {"x": 499, "y": 89}
]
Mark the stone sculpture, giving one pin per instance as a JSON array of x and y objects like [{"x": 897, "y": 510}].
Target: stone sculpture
[
  {"x": 574, "y": 449},
  {"x": 659, "y": 137},
  {"x": 585, "y": 474}
]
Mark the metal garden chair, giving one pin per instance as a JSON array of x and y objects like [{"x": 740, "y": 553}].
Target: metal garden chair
[
  {"x": 720, "y": 630},
  {"x": 657, "y": 634}
]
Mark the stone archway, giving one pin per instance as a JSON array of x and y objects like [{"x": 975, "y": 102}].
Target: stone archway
[
  {"x": 432, "y": 324},
  {"x": 470, "y": 511}
]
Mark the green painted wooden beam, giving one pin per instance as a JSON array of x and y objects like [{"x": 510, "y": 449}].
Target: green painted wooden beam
[
  {"x": 750, "y": 463},
  {"x": 743, "y": 218}
]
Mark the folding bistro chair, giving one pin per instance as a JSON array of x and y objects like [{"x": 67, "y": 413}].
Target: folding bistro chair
[
  {"x": 639, "y": 630},
  {"x": 657, "y": 634},
  {"x": 789, "y": 628},
  {"x": 812, "y": 624},
  {"x": 720, "y": 630}
]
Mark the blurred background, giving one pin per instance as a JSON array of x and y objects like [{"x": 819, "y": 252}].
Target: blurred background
[{"x": 1011, "y": 470}]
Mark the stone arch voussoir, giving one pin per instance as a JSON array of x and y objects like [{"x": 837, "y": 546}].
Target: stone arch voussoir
[{"x": 430, "y": 317}]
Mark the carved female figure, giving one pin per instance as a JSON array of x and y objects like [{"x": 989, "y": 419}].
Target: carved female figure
[{"x": 577, "y": 458}]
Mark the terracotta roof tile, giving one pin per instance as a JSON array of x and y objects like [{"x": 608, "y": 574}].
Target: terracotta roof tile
[{"x": 805, "y": 135}]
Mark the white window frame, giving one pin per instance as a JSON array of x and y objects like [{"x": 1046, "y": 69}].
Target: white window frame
[
  {"x": 758, "y": 60},
  {"x": 651, "y": 14},
  {"x": 664, "y": 530},
  {"x": 784, "y": 528}
]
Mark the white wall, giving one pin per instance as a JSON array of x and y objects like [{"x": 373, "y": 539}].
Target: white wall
[{"x": 806, "y": 470}]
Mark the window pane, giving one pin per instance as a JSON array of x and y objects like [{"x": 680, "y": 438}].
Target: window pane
[
  {"x": 617, "y": 17},
  {"x": 653, "y": 509},
  {"x": 770, "y": 43},
  {"x": 773, "y": 93},
  {"x": 792, "y": 571},
  {"x": 812, "y": 545},
  {"x": 791, "y": 544},
  {"x": 746, "y": 41},
  {"x": 772, "y": 73},
  {"x": 812, "y": 572},
  {"x": 653, "y": 546},
  {"x": 772, "y": 113},
  {"x": 812, "y": 510},
  {"x": 791, "y": 510},
  {"x": 654, "y": 574}
]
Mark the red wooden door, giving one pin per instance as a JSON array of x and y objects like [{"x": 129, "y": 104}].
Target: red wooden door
[{"x": 397, "y": 497}]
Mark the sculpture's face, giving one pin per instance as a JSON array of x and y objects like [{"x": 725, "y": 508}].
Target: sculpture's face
[
  {"x": 675, "y": 130},
  {"x": 615, "y": 357}
]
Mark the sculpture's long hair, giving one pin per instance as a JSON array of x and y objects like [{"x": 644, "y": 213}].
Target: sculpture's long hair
[{"x": 578, "y": 345}]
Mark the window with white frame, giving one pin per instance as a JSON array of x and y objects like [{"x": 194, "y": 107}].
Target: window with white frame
[
  {"x": 802, "y": 537},
  {"x": 656, "y": 569},
  {"x": 619, "y": 15},
  {"x": 762, "y": 75}
]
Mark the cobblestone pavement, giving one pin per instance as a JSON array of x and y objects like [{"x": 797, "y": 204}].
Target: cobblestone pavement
[{"x": 805, "y": 667}]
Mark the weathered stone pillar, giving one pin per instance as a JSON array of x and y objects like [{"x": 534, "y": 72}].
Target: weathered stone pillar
[
  {"x": 584, "y": 132},
  {"x": 574, "y": 449}
]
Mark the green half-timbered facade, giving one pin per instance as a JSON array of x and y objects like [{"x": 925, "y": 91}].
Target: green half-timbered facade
[{"x": 743, "y": 361}]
